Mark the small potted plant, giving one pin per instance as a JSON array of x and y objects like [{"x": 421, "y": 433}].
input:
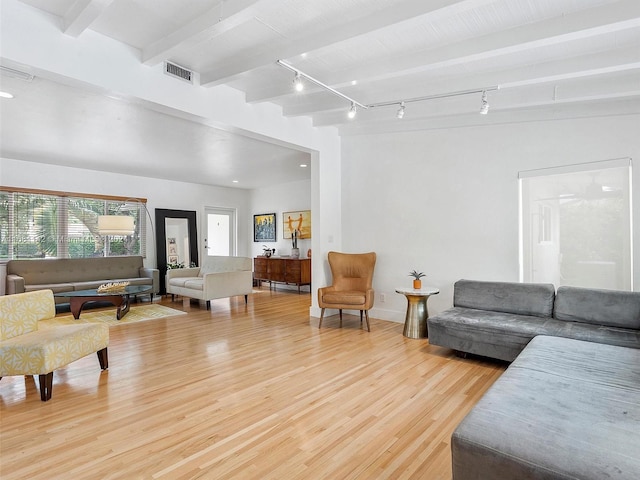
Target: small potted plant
[{"x": 417, "y": 283}]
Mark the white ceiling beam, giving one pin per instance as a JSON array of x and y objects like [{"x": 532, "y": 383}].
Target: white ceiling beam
[
  {"x": 601, "y": 63},
  {"x": 290, "y": 47},
  {"x": 515, "y": 101},
  {"x": 221, "y": 18},
  {"x": 505, "y": 117},
  {"x": 582, "y": 25},
  {"x": 493, "y": 45},
  {"x": 82, "y": 14}
]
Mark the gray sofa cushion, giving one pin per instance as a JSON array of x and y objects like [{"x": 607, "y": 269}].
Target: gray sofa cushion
[
  {"x": 564, "y": 409},
  {"x": 601, "y": 307},
  {"x": 519, "y": 298},
  {"x": 69, "y": 270},
  {"x": 504, "y": 335}
]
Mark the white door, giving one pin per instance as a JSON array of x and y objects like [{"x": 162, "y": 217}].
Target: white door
[{"x": 220, "y": 231}]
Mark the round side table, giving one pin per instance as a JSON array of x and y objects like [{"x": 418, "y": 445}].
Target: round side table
[{"x": 415, "y": 323}]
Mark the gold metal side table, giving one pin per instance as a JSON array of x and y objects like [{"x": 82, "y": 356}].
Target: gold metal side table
[{"x": 415, "y": 323}]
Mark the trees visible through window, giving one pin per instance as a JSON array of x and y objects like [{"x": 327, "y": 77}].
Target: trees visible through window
[
  {"x": 576, "y": 225},
  {"x": 39, "y": 224}
]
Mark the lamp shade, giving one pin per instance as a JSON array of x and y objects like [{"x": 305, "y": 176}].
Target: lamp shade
[{"x": 115, "y": 225}]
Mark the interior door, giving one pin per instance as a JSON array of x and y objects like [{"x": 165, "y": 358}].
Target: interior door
[{"x": 220, "y": 231}]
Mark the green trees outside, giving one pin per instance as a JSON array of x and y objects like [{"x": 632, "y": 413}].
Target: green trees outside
[{"x": 38, "y": 226}]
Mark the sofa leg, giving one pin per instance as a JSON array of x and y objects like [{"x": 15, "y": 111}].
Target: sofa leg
[
  {"x": 321, "y": 317},
  {"x": 208, "y": 304},
  {"x": 46, "y": 384},
  {"x": 246, "y": 299},
  {"x": 172, "y": 297},
  {"x": 461, "y": 354},
  {"x": 103, "y": 358}
]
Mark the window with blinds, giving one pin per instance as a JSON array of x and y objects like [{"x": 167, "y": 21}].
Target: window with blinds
[{"x": 47, "y": 224}]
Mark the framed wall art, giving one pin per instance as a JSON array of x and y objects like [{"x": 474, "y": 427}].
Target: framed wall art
[
  {"x": 298, "y": 220},
  {"x": 264, "y": 227}
]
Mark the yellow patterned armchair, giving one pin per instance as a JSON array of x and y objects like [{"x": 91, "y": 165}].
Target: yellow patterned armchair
[{"x": 27, "y": 350}]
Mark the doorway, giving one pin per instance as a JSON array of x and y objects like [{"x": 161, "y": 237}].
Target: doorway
[{"x": 220, "y": 231}]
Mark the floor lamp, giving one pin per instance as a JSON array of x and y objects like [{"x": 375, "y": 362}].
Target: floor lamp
[{"x": 122, "y": 225}]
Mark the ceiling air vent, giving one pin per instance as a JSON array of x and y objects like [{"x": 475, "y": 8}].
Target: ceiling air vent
[{"x": 178, "y": 72}]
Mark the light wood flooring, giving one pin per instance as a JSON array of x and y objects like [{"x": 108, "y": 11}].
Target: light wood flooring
[{"x": 245, "y": 392}]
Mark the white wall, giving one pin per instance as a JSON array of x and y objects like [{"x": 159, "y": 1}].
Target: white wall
[
  {"x": 446, "y": 201},
  {"x": 281, "y": 198},
  {"x": 159, "y": 193},
  {"x": 277, "y": 199}
]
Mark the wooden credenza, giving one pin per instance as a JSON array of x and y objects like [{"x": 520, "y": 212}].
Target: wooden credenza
[{"x": 293, "y": 271}]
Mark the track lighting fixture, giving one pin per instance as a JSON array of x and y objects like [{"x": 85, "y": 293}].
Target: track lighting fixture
[
  {"x": 299, "y": 75},
  {"x": 352, "y": 111},
  {"x": 484, "y": 106}
]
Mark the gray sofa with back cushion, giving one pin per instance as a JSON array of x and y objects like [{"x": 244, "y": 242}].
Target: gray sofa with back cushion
[
  {"x": 568, "y": 407},
  {"x": 499, "y": 319},
  {"x": 69, "y": 274}
]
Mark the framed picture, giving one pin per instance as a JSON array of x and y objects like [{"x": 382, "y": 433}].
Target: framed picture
[
  {"x": 172, "y": 259},
  {"x": 264, "y": 227},
  {"x": 298, "y": 220},
  {"x": 172, "y": 248}
]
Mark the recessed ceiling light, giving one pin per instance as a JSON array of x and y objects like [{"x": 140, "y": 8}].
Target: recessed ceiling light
[
  {"x": 235, "y": 181},
  {"x": 354, "y": 82},
  {"x": 6, "y": 95},
  {"x": 303, "y": 165}
]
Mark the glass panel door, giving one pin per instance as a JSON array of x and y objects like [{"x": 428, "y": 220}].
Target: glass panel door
[
  {"x": 576, "y": 225},
  {"x": 220, "y": 231}
]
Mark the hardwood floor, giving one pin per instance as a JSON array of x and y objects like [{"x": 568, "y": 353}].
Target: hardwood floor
[{"x": 246, "y": 392}]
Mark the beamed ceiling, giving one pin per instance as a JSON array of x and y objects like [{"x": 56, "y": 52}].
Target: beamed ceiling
[{"x": 548, "y": 58}]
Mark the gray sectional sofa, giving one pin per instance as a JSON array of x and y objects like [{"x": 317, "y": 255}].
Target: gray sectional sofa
[
  {"x": 68, "y": 274},
  {"x": 568, "y": 407},
  {"x": 564, "y": 409},
  {"x": 499, "y": 319}
]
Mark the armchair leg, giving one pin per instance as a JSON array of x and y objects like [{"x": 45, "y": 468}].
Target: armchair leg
[
  {"x": 208, "y": 304},
  {"x": 321, "y": 317},
  {"x": 340, "y": 318},
  {"x": 103, "y": 358},
  {"x": 360, "y": 317},
  {"x": 366, "y": 314},
  {"x": 46, "y": 384},
  {"x": 246, "y": 299}
]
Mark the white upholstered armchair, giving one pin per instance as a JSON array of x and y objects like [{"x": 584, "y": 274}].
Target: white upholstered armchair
[{"x": 218, "y": 277}]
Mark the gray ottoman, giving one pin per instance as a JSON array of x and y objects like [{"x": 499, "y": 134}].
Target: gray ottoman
[{"x": 564, "y": 409}]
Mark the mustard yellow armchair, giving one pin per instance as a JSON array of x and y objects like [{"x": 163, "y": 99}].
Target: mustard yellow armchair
[
  {"x": 27, "y": 350},
  {"x": 351, "y": 287}
]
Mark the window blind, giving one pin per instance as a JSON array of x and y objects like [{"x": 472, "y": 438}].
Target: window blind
[{"x": 40, "y": 223}]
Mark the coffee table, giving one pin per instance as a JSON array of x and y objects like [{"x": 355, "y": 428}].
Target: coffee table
[{"x": 120, "y": 299}]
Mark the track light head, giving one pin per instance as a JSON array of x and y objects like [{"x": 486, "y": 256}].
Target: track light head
[
  {"x": 297, "y": 82},
  {"x": 352, "y": 111},
  {"x": 484, "y": 106},
  {"x": 400, "y": 112}
]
